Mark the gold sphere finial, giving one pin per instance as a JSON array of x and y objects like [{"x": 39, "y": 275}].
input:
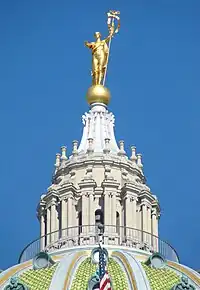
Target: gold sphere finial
[{"x": 98, "y": 94}]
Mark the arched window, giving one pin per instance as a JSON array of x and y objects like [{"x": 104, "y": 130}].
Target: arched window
[
  {"x": 80, "y": 222},
  {"x": 99, "y": 219}
]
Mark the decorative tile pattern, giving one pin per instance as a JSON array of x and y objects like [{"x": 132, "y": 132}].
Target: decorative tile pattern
[
  {"x": 161, "y": 279},
  {"x": 38, "y": 279},
  {"x": 87, "y": 269},
  {"x": 117, "y": 275}
]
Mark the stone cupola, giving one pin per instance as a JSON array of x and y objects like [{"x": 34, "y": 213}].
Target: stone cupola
[{"x": 99, "y": 184}]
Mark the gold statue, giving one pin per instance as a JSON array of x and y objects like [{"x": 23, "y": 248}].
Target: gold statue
[
  {"x": 99, "y": 57},
  {"x": 100, "y": 50}
]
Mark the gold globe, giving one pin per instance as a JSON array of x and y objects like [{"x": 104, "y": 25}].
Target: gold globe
[{"x": 98, "y": 94}]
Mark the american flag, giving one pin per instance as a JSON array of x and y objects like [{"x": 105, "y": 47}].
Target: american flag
[{"x": 105, "y": 283}]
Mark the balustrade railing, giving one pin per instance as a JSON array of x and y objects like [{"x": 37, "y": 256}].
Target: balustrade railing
[{"x": 92, "y": 235}]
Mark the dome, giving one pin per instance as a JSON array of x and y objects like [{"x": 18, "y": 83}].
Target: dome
[
  {"x": 98, "y": 218},
  {"x": 75, "y": 269}
]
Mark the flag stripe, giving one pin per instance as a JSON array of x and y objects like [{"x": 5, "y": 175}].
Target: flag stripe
[{"x": 105, "y": 283}]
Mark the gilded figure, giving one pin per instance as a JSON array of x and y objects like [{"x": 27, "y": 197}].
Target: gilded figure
[{"x": 100, "y": 49}]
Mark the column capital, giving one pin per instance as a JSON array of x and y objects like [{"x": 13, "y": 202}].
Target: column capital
[
  {"x": 63, "y": 198},
  {"x": 131, "y": 197},
  {"x": 110, "y": 194},
  {"x": 41, "y": 211},
  {"x": 146, "y": 203},
  {"x": 155, "y": 204},
  {"x": 146, "y": 197},
  {"x": 86, "y": 194},
  {"x": 155, "y": 213},
  {"x": 53, "y": 203}
]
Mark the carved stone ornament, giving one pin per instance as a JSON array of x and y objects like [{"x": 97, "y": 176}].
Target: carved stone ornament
[
  {"x": 183, "y": 285},
  {"x": 93, "y": 283},
  {"x": 15, "y": 284}
]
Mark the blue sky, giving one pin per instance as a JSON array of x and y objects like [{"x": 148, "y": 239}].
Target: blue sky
[{"x": 153, "y": 76}]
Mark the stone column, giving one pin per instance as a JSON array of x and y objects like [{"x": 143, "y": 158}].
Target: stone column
[
  {"x": 64, "y": 214},
  {"x": 113, "y": 212},
  {"x": 107, "y": 216},
  {"x": 149, "y": 225},
  {"x": 53, "y": 221},
  {"x": 155, "y": 229},
  {"x": 69, "y": 211},
  {"x": 70, "y": 217},
  {"x": 110, "y": 187},
  {"x": 91, "y": 212},
  {"x": 144, "y": 222},
  {"x": 135, "y": 232},
  {"x": 130, "y": 193},
  {"x": 128, "y": 218},
  {"x": 57, "y": 234},
  {"x": 107, "y": 209},
  {"x": 42, "y": 230},
  {"x": 48, "y": 225},
  {"x": 85, "y": 212},
  {"x": 87, "y": 187}
]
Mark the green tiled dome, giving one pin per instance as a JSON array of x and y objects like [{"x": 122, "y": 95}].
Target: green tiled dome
[
  {"x": 161, "y": 279},
  {"x": 38, "y": 279},
  {"x": 76, "y": 270},
  {"x": 86, "y": 269}
]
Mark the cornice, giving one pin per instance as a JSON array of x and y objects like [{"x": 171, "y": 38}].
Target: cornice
[
  {"x": 110, "y": 183},
  {"x": 50, "y": 195},
  {"x": 87, "y": 183},
  {"x": 146, "y": 198},
  {"x": 98, "y": 191},
  {"x": 130, "y": 186},
  {"x": 114, "y": 163},
  {"x": 67, "y": 187}
]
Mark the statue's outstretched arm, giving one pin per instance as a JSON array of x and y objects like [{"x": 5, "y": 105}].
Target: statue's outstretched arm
[{"x": 88, "y": 44}]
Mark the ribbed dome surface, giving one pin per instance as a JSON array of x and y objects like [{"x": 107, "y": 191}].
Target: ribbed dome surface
[{"x": 127, "y": 268}]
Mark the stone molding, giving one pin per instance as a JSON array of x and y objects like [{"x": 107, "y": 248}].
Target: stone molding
[
  {"x": 108, "y": 184},
  {"x": 85, "y": 185}
]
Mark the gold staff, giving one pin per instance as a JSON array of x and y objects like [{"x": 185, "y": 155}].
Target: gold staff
[{"x": 112, "y": 15}]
